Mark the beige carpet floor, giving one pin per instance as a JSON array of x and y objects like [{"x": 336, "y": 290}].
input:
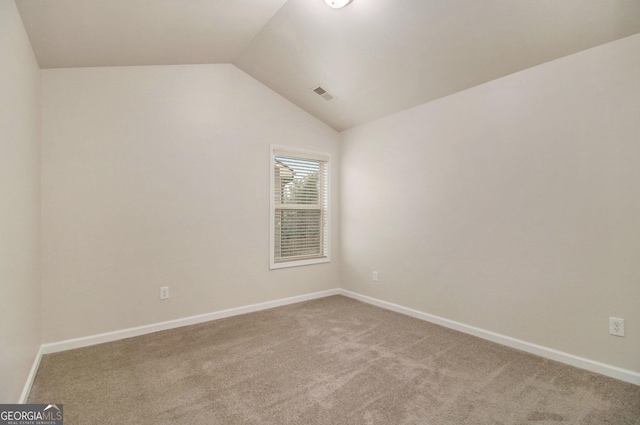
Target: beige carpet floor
[{"x": 328, "y": 361}]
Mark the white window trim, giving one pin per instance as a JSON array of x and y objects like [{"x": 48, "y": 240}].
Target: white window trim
[{"x": 302, "y": 153}]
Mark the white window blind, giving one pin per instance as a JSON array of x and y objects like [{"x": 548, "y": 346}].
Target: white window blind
[{"x": 300, "y": 225}]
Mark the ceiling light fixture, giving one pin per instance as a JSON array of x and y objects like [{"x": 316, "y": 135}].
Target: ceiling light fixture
[{"x": 337, "y": 4}]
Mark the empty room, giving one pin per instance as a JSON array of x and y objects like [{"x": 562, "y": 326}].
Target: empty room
[{"x": 320, "y": 212}]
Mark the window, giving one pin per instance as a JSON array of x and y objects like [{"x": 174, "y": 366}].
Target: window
[{"x": 299, "y": 207}]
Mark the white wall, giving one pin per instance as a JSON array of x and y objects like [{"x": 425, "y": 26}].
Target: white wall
[
  {"x": 513, "y": 206},
  {"x": 157, "y": 176},
  {"x": 19, "y": 204}
]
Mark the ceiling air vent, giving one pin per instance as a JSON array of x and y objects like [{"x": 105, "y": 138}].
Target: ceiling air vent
[{"x": 323, "y": 93}]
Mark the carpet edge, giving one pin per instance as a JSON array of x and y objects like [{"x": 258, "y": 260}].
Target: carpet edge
[
  {"x": 611, "y": 371},
  {"x": 69, "y": 344},
  {"x": 32, "y": 376}
]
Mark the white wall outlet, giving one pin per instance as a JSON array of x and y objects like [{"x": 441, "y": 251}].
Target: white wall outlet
[
  {"x": 375, "y": 276},
  {"x": 164, "y": 292},
  {"x": 616, "y": 326}
]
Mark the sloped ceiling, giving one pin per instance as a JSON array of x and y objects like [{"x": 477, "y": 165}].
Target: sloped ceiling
[{"x": 376, "y": 56}]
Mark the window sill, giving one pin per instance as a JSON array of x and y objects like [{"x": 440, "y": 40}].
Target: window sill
[{"x": 296, "y": 263}]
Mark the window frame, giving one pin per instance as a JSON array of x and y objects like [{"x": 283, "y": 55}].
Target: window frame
[{"x": 279, "y": 150}]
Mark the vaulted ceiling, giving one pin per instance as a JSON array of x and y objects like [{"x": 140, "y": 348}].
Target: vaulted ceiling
[{"x": 376, "y": 57}]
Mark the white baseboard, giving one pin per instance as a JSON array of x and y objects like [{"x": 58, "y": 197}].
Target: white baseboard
[
  {"x": 31, "y": 377},
  {"x": 86, "y": 341},
  {"x": 549, "y": 353}
]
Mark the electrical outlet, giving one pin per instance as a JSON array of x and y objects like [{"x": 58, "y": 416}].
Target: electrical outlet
[
  {"x": 375, "y": 276},
  {"x": 616, "y": 326},
  {"x": 164, "y": 292}
]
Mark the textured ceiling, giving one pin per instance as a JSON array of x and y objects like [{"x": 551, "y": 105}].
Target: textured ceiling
[{"x": 376, "y": 56}]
